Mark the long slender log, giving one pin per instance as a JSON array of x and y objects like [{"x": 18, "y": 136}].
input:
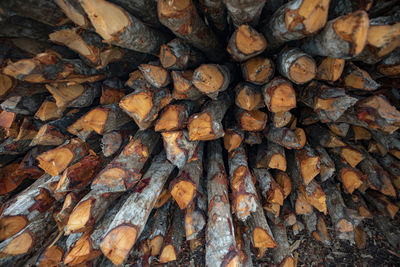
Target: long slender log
[
  {"x": 178, "y": 55},
  {"x": 184, "y": 187},
  {"x": 344, "y": 37},
  {"x": 159, "y": 229},
  {"x": 296, "y": 65},
  {"x": 241, "y": 180},
  {"x": 124, "y": 171},
  {"x": 183, "y": 20},
  {"x": 244, "y": 245},
  {"x": 281, "y": 254},
  {"x": 130, "y": 220},
  {"x": 219, "y": 250},
  {"x": 195, "y": 215},
  {"x": 127, "y": 32},
  {"x": 206, "y": 125},
  {"x": 296, "y": 20}
]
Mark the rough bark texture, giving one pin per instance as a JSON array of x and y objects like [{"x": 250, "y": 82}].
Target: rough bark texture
[{"x": 244, "y": 12}]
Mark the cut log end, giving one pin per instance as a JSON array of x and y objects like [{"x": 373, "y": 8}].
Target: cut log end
[
  {"x": 302, "y": 70},
  {"x": 168, "y": 254},
  {"x": 51, "y": 257},
  {"x": 262, "y": 239},
  {"x": 258, "y": 70},
  {"x": 19, "y": 245},
  {"x": 200, "y": 128},
  {"x": 183, "y": 192},
  {"x": 9, "y": 226}
]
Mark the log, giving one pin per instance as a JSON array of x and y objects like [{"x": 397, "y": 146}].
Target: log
[
  {"x": 51, "y": 254},
  {"x": 284, "y": 181},
  {"x": 308, "y": 163},
  {"x": 9, "y": 124},
  {"x": 360, "y": 133},
  {"x": 341, "y": 129},
  {"x": 174, "y": 117},
  {"x": 244, "y": 245},
  {"x": 244, "y": 12},
  {"x": 24, "y": 99},
  {"x": 178, "y": 147},
  {"x": 127, "y": 32},
  {"x": 48, "y": 111},
  {"x": 73, "y": 10},
  {"x": 233, "y": 138},
  {"x": 285, "y": 137},
  {"x": 242, "y": 186},
  {"x": 159, "y": 229},
  {"x": 211, "y": 79},
  {"x": 282, "y": 119},
  {"x": 195, "y": 216},
  {"x": 173, "y": 242},
  {"x": 124, "y": 171},
  {"x": 321, "y": 234},
  {"x": 269, "y": 189},
  {"x": 111, "y": 143},
  {"x": 178, "y": 55},
  {"x": 258, "y": 70},
  {"x": 344, "y": 37},
  {"x": 326, "y": 165},
  {"x": 381, "y": 203},
  {"x": 295, "y": 20},
  {"x": 183, "y": 86},
  {"x": 271, "y": 156},
  {"x": 390, "y": 231},
  {"x": 253, "y": 138},
  {"x": 206, "y": 125},
  {"x": 184, "y": 21},
  {"x": 248, "y": 97},
  {"x": 215, "y": 13},
  {"x": 330, "y": 69},
  {"x": 58, "y": 159},
  {"x": 70, "y": 201},
  {"x": 389, "y": 66},
  {"x": 57, "y": 70},
  {"x": 87, "y": 247},
  {"x": 392, "y": 166},
  {"x": 296, "y": 65},
  {"x": 358, "y": 79},
  {"x": 281, "y": 254},
  {"x": 185, "y": 186},
  {"x": 279, "y": 95},
  {"x": 130, "y": 220},
  {"x": 246, "y": 43},
  {"x": 7, "y": 84},
  {"x": 251, "y": 121},
  {"x": 323, "y": 136},
  {"x": 156, "y": 75},
  {"x": 145, "y": 102},
  {"x": 219, "y": 251}
]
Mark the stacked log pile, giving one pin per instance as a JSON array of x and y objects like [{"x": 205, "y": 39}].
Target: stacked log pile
[{"x": 132, "y": 130}]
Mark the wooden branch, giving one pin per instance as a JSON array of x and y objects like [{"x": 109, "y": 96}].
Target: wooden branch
[
  {"x": 159, "y": 229},
  {"x": 271, "y": 156},
  {"x": 73, "y": 10},
  {"x": 127, "y": 32},
  {"x": 70, "y": 201},
  {"x": 207, "y": 124},
  {"x": 178, "y": 55},
  {"x": 296, "y": 65},
  {"x": 344, "y": 37},
  {"x": 246, "y": 43},
  {"x": 282, "y": 254},
  {"x": 124, "y": 171},
  {"x": 195, "y": 215},
  {"x": 327, "y": 166},
  {"x": 258, "y": 70},
  {"x": 130, "y": 220},
  {"x": 279, "y": 95},
  {"x": 219, "y": 250},
  {"x": 156, "y": 75},
  {"x": 48, "y": 111},
  {"x": 211, "y": 79},
  {"x": 285, "y": 137}
]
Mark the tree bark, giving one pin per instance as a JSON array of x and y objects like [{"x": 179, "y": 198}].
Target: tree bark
[
  {"x": 178, "y": 55},
  {"x": 296, "y": 65},
  {"x": 178, "y": 147}
]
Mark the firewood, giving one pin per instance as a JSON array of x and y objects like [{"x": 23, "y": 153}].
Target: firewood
[
  {"x": 246, "y": 43},
  {"x": 360, "y": 133},
  {"x": 279, "y": 95},
  {"x": 392, "y": 166},
  {"x": 330, "y": 69},
  {"x": 253, "y": 138},
  {"x": 282, "y": 254},
  {"x": 281, "y": 119},
  {"x": 48, "y": 111},
  {"x": 7, "y": 84},
  {"x": 321, "y": 234},
  {"x": 184, "y": 21},
  {"x": 145, "y": 10},
  {"x": 58, "y": 159},
  {"x": 100, "y": 120},
  {"x": 211, "y": 79},
  {"x": 382, "y": 39},
  {"x": 29, "y": 206},
  {"x": 173, "y": 242},
  {"x": 111, "y": 143},
  {"x": 57, "y": 70},
  {"x": 390, "y": 231},
  {"x": 129, "y": 221},
  {"x": 271, "y": 156},
  {"x": 155, "y": 75},
  {"x": 219, "y": 250},
  {"x": 390, "y": 143},
  {"x": 178, "y": 147},
  {"x": 195, "y": 215},
  {"x": 127, "y": 31},
  {"x": 145, "y": 102},
  {"x": 247, "y": 12},
  {"x": 357, "y": 202},
  {"x": 258, "y": 70},
  {"x": 215, "y": 12},
  {"x": 70, "y": 201},
  {"x": 358, "y": 79},
  {"x": 341, "y": 129},
  {"x": 159, "y": 229},
  {"x": 111, "y": 95},
  {"x": 381, "y": 203},
  {"x": 74, "y": 12},
  {"x": 184, "y": 187},
  {"x": 44, "y": 11},
  {"x": 124, "y": 171},
  {"x": 248, "y": 97},
  {"x": 252, "y": 121},
  {"x": 51, "y": 254},
  {"x": 351, "y": 155},
  {"x": 243, "y": 245},
  {"x": 24, "y": 100},
  {"x": 174, "y": 117},
  {"x": 343, "y": 37},
  {"x": 285, "y": 137},
  {"x": 284, "y": 182},
  {"x": 323, "y": 136},
  {"x": 244, "y": 193},
  {"x": 87, "y": 247},
  {"x": 344, "y": 219},
  {"x": 308, "y": 163},
  {"x": 163, "y": 198},
  {"x": 296, "y": 20},
  {"x": 296, "y": 65},
  {"x": 178, "y": 55},
  {"x": 9, "y": 124},
  {"x": 389, "y": 66},
  {"x": 329, "y": 103},
  {"x": 80, "y": 174},
  {"x": 183, "y": 86},
  {"x": 326, "y": 165},
  {"x": 206, "y": 125},
  {"x": 233, "y": 138}
]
